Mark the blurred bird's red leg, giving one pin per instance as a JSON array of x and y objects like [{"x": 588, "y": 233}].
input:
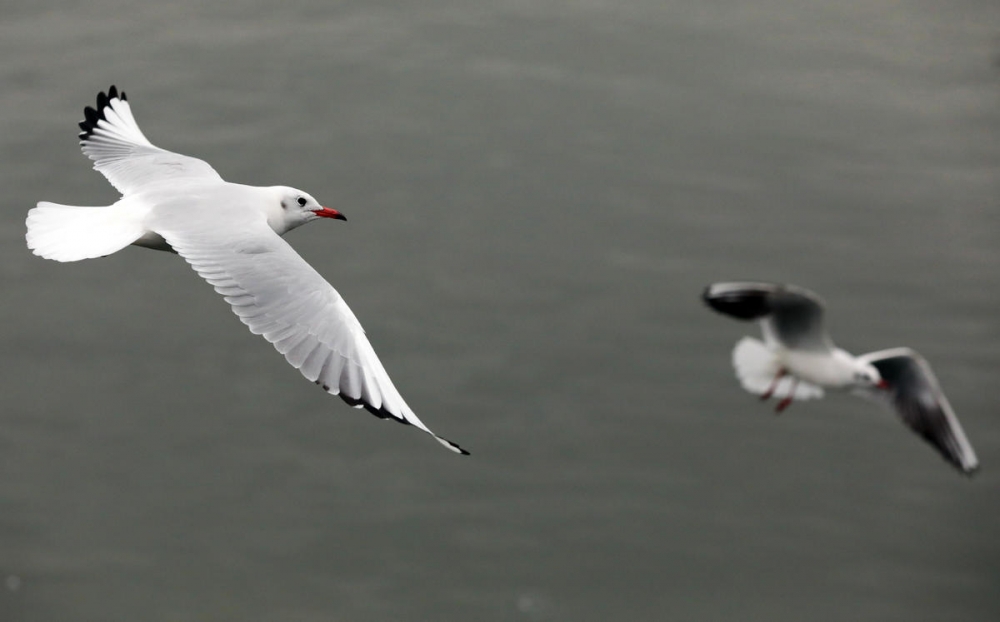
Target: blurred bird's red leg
[
  {"x": 774, "y": 384},
  {"x": 787, "y": 400}
]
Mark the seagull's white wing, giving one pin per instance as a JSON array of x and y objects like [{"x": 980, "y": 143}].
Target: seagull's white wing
[
  {"x": 112, "y": 139},
  {"x": 277, "y": 294},
  {"x": 917, "y": 398}
]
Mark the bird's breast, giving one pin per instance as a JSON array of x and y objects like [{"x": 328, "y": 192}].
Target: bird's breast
[{"x": 819, "y": 368}]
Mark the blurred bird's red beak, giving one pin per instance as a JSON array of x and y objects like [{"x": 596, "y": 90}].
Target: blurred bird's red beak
[
  {"x": 882, "y": 384},
  {"x": 326, "y": 212}
]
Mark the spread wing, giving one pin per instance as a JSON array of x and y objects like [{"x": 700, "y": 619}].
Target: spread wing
[
  {"x": 281, "y": 297},
  {"x": 917, "y": 398},
  {"x": 112, "y": 139},
  {"x": 790, "y": 315}
]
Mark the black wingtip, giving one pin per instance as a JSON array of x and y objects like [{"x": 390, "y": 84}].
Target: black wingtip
[
  {"x": 452, "y": 445},
  {"x": 92, "y": 116},
  {"x": 382, "y": 413},
  {"x": 747, "y": 304}
]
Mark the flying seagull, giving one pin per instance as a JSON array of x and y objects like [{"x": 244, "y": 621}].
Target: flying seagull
[
  {"x": 797, "y": 361},
  {"x": 231, "y": 235}
]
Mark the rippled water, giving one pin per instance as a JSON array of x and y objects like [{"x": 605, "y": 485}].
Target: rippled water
[{"x": 537, "y": 193}]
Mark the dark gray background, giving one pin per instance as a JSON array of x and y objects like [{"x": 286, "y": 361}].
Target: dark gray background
[{"x": 537, "y": 193}]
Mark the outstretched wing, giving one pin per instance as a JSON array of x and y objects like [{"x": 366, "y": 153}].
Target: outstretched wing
[
  {"x": 112, "y": 139},
  {"x": 915, "y": 395},
  {"x": 790, "y": 315},
  {"x": 278, "y": 295}
]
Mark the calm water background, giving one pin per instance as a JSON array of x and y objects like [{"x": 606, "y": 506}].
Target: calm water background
[{"x": 537, "y": 193}]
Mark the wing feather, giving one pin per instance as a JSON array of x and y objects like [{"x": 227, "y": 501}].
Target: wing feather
[
  {"x": 917, "y": 398},
  {"x": 789, "y": 315},
  {"x": 278, "y": 295},
  {"x": 111, "y": 138}
]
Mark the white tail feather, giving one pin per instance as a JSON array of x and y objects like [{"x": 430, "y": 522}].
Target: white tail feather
[
  {"x": 71, "y": 233},
  {"x": 757, "y": 366}
]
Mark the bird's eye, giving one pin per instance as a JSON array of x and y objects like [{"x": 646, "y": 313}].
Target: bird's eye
[{"x": 301, "y": 201}]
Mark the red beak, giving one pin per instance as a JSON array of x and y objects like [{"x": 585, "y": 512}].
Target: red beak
[
  {"x": 326, "y": 212},
  {"x": 882, "y": 384}
]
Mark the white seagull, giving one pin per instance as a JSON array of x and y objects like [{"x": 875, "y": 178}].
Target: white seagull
[
  {"x": 797, "y": 360},
  {"x": 231, "y": 235}
]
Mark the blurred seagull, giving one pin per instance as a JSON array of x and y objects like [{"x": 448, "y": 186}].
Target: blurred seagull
[
  {"x": 231, "y": 235},
  {"x": 797, "y": 360}
]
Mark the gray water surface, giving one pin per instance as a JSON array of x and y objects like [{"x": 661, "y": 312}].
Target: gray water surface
[{"x": 537, "y": 193}]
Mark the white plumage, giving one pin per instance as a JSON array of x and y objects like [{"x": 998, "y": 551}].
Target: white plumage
[
  {"x": 757, "y": 366},
  {"x": 797, "y": 360},
  {"x": 230, "y": 234}
]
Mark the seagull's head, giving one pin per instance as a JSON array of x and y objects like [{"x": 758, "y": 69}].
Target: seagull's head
[
  {"x": 298, "y": 208},
  {"x": 866, "y": 375}
]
